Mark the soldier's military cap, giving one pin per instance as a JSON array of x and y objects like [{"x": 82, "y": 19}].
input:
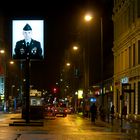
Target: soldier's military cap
[{"x": 27, "y": 27}]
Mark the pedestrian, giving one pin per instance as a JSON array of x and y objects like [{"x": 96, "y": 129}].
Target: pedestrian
[
  {"x": 112, "y": 110},
  {"x": 112, "y": 113},
  {"x": 87, "y": 109},
  {"x": 102, "y": 113},
  {"x": 124, "y": 111},
  {"x": 27, "y": 47},
  {"x": 93, "y": 111}
]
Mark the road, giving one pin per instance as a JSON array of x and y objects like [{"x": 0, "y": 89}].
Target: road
[{"x": 72, "y": 127}]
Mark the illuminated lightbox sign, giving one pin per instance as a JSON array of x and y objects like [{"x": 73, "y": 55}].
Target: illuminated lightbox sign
[
  {"x": 124, "y": 80},
  {"x": 27, "y": 39},
  {"x": 80, "y": 94}
]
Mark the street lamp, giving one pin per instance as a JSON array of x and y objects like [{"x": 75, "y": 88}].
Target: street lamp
[
  {"x": 68, "y": 64},
  {"x": 76, "y": 65},
  {"x": 75, "y": 48},
  {"x": 2, "y": 51},
  {"x": 11, "y": 62},
  {"x": 102, "y": 60},
  {"x": 88, "y": 17},
  {"x": 12, "y": 91},
  {"x": 86, "y": 58}
]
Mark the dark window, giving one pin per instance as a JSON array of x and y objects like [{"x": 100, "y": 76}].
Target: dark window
[
  {"x": 130, "y": 56},
  {"x": 134, "y": 60},
  {"x": 138, "y": 97},
  {"x": 130, "y": 102},
  {"x": 134, "y": 97},
  {"x": 138, "y": 51},
  {"x": 133, "y": 6},
  {"x": 118, "y": 95},
  {"x": 138, "y": 7}
]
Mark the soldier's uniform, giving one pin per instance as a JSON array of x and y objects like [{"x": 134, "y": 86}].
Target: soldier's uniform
[{"x": 30, "y": 49}]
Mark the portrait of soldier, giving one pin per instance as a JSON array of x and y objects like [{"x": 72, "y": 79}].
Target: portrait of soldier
[{"x": 27, "y": 47}]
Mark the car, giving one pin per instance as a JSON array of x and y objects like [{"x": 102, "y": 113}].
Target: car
[
  {"x": 70, "y": 110},
  {"x": 61, "y": 110},
  {"x": 49, "y": 110}
]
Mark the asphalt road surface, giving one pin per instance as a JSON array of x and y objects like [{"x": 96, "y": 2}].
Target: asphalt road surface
[{"x": 72, "y": 127}]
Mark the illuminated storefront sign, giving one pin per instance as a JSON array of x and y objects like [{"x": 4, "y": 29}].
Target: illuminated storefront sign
[
  {"x": 124, "y": 80},
  {"x": 80, "y": 94}
]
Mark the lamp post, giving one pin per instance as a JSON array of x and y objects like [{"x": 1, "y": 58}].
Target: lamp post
[
  {"x": 101, "y": 22},
  {"x": 88, "y": 18},
  {"x": 10, "y": 86},
  {"x": 12, "y": 97},
  {"x": 76, "y": 68},
  {"x": 86, "y": 62},
  {"x": 73, "y": 71},
  {"x": 76, "y": 75}
]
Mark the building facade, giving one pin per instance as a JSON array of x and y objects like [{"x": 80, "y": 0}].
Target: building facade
[
  {"x": 126, "y": 51},
  {"x": 2, "y": 65}
]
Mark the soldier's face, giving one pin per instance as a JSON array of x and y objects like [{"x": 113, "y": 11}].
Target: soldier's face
[{"x": 27, "y": 34}]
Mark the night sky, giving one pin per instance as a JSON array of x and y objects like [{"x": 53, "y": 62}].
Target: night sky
[{"x": 62, "y": 20}]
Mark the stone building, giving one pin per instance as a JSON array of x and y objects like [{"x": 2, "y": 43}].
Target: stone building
[{"x": 126, "y": 50}]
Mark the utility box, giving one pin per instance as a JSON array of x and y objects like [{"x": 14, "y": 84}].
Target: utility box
[
  {"x": 36, "y": 108},
  {"x": 36, "y": 112}
]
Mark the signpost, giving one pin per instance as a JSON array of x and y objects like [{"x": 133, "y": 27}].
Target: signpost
[
  {"x": 27, "y": 48},
  {"x": 27, "y": 102}
]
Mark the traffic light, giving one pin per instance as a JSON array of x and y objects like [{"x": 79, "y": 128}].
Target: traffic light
[{"x": 55, "y": 89}]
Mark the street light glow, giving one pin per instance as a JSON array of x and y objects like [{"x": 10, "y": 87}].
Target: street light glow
[
  {"x": 88, "y": 17},
  {"x": 2, "y": 51},
  {"x": 75, "y": 48},
  {"x": 68, "y": 64},
  {"x": 11, "y": 62},
  {"x": 13, "y": 86}
]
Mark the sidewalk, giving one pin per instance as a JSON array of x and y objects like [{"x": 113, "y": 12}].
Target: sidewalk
[{"x": 118, "y": 125}]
